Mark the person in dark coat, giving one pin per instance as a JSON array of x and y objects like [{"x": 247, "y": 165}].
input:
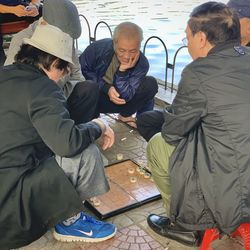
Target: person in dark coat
[
  {"x": 242, "y": 7},
  {"x": 120, "y": 69},
  {"x": 48, "y": 163},
  {"x": 200, "y": 160}
]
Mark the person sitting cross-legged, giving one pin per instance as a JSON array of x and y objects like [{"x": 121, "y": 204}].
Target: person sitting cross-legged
[
  {"x": 48, "y": 164},
  {"x": 120, "y": 69}
]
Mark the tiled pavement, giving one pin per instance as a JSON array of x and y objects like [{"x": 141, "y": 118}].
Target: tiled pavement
[{"x": 133, "y": 231}]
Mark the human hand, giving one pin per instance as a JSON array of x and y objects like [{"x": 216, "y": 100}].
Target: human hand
[
  {"x": 32, "y": 10},
  {"x": 114, "y": 96},
  {"x": 108, "y": 138},
  {"x": 131, "y": 62},
  {"x": 19, "y": 10}
]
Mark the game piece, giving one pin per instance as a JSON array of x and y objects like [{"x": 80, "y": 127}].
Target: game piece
[
  {"x": 147, "y": 175},
  {"x": 119, "y": 157},
  {"x": 141, "y": 171},
  {"x": 96, "y": 202},
  {"x": 133, "y": 179},
  {"x": 131, "y": 170}
]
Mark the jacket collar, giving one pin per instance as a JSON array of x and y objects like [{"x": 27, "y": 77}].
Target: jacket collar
[
  {"x": 220, "y": 47},
  {"x": 29, "y": 67}
]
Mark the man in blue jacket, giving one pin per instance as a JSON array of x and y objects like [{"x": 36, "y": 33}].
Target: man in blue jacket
[{"x": 120, "y": 69}]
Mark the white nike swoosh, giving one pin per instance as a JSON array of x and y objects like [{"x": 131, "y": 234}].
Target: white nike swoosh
[{"x": 86, "y": 233}]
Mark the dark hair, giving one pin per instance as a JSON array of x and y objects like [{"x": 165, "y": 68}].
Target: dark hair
[
  {"x": 36, "y": 57},
  {"x": 217, "y": 21}
]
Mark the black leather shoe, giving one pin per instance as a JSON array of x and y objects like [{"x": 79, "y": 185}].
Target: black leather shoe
[{"x": 163, "y": 226}]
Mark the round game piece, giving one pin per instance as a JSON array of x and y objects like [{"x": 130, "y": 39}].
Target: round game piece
[
  {"x": 138, "y": 169},
  {"x": 133, "y": 179},
  {"x": 92, "y": 199},
  {"x": 147, "y": 175},
  {"x": 119, "y": 157},
  {"x": 141, "y": 171},
  {"x": 97, "y": 202},
  {"x": 131, "y": 170}
]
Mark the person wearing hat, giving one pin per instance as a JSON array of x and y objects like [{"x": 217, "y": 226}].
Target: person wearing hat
[
  {"x": 120, "y": 69},
  {"x": 82, "y": 95},
  {"x": 16, "y": 10},
  {"x": 48, "y": 164},
  {"x": 242, "y": 7}
]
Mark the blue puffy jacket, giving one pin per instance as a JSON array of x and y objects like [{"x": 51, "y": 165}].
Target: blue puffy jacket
[{"x": 95, "y": 61}]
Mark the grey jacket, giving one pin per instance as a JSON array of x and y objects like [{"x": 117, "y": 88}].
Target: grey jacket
[
  {"x": 35, "y": 193},
  {"x": 209, "y": 123}
]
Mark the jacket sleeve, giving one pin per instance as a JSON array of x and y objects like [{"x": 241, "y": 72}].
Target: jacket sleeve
[
  {"x": 187, "y": 109},
  {"x": 17, "y": 40},
  {"x": 50, "y": 118},
  {"x": 88, "y": 63},
  {"x": 127, "y": 82}
]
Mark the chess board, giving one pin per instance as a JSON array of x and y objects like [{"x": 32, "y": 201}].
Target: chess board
[{"x": 131, "y": 186}]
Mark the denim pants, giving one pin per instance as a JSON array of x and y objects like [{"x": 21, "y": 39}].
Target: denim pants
[{"x": 86, "y": 172}]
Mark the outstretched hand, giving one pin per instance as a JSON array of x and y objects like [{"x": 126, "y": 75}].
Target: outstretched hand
[{"x": 108, "y": 136}]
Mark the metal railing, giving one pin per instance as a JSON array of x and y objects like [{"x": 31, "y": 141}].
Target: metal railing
[
  {"x": 166, "y": 54},
  {"x": 168, "y": 65},
  {"x": 101, "y": 22},
  {"x": 173, "y": 66}
]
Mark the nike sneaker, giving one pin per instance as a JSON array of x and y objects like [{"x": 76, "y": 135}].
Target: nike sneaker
[{"x": 85, "y": 228}]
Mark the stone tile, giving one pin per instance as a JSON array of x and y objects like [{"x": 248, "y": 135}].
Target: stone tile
[
  {"x": 124, "y": 245},
  {"x": 139, "y": 239},
  {"x": 134, "y": 247}
]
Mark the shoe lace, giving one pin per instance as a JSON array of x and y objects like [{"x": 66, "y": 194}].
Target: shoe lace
[{"x": 92, "y": 219}]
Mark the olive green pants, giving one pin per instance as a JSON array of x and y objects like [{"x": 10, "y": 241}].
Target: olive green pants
[{"x": 158, "y": 154}]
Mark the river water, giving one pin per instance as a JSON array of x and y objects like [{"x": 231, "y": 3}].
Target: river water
[{"x": 163, "y": 18}]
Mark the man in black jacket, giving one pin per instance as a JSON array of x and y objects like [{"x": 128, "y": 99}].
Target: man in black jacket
[
  {"x": 204, "y": 141},
  {"x": 48, "y": 163}
]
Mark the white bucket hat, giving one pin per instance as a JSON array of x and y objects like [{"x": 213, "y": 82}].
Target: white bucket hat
[{"x": 52, "y": 40}]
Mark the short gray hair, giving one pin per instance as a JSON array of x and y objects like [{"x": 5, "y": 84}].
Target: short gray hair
[{"x": 128, "y": 30}]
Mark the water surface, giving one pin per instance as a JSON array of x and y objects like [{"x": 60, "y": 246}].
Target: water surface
[{"x": 164, "y": 18}]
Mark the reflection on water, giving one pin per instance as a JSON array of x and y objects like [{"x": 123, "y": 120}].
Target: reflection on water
[{"x": 164, "y": 18}]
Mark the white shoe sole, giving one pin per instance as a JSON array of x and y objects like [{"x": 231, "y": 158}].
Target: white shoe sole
[{"x": 67, "y": 238}]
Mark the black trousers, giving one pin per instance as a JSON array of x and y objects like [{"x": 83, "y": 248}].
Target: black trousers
[
  {"x": 82, "y": 102},
  {"x": 150, "y": 123},
  {"x": 142, "y": 101},
  {"x": 2, "y": 54}
]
